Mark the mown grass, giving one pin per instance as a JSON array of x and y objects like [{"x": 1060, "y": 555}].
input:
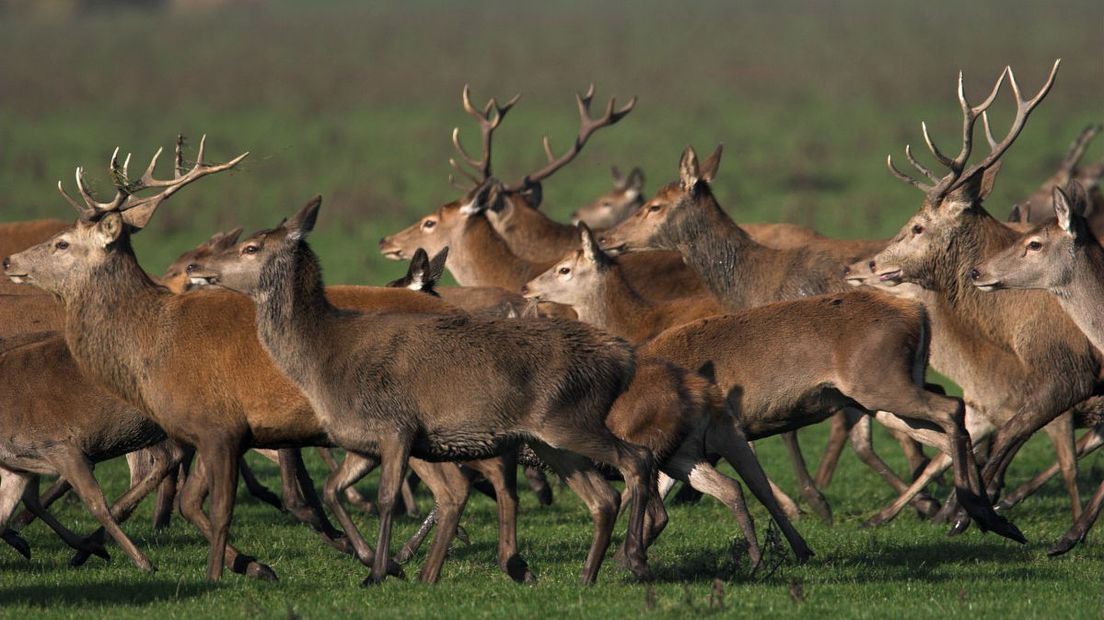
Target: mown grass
[{"x": 356, "y": 102}]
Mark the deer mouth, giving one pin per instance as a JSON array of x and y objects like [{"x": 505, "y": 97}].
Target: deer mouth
[
  {"x": 890, "y": 277},
  {"x": 990, "y": 285},
  {"x": 20, "y": 278},
  {"x": 203, "y": 279}
]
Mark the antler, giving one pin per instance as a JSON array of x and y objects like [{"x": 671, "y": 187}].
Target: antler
[
  {"x": 1079, "y": 146},
  {"x": 137, "y": 211},
  {"x": 959, "y": 173},
  {"x": 489, "y": 119},
  {"x": 587, "y": 126}
]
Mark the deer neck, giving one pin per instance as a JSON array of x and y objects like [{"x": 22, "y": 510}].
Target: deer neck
[
  {"x": 292, "y": 311},
  {"x": 480, "y": 257},
  {"x": 112, "y": 323},
  {"x": 1083, "y": 297},
  {"x": 618, "y": 308},
  {"x": 526, "y": 229},
  {"x": 720, "y": 252}
]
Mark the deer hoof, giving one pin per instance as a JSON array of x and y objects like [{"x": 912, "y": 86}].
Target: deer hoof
[
  {"x": 1063, "y": 545},
  {"x": 372, "y": 580},
  {"x": 518, "y": 570},
  {"x": 960, "y": 525},
  {"x": 261, "y": 571},
  {"x": 20, "y": 544}
]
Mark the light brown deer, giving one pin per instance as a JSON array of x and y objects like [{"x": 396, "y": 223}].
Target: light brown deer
[
  {"x": 18, "y": 236},
  {"x": 1018, "y": 377},
  {"x": 1063, "y": 257},
  {"x": 549, "y": 382},
  {"x": 615, "y": 205},
  {"x": 138, "y": 340}
]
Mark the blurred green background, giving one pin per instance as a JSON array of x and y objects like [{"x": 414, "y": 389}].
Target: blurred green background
[{"x": 356, "y": 101}]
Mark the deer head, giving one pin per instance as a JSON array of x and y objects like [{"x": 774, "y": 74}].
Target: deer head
[
  {"x": 240, "y": 267},
  {"x": 423, "y": 272},
  {"x": 917, "y": 253},
  {"x": 575, "y": 279},
  {"x": 177, "y": 277},
  {"x": 615, "y": 205},
  {"x": 102, "y": 231},
  {"x": 661, "y": 224},
  {"x": 444, "y": 227},
  {"x": 1043, "y": 258}
]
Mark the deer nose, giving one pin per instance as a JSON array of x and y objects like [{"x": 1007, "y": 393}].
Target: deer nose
[
  {"x": 873, "y": 266},
  {"x": 975, "y": 274},
  {"x": 383, "y": 242},
  {"x": 7, "y": 262},
  {"x": 524, "y": 289},
  {"x": 847, "y": 270}
]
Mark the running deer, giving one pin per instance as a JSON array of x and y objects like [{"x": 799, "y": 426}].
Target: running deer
[
  {"x": 937, "y": 249},
  {"x": 615, "y": 205},
  {"x": 383, "y": 389},
  {"x": 1063, "y": 257},
  {"x": 137, "y": 340},
  {"x": 55, "y": 421},
  {"x": 684, "y": 216}
]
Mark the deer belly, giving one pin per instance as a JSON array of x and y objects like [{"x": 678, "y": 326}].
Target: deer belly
[{"x": 462, "y": 444}]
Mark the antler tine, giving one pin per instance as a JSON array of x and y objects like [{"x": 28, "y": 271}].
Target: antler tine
[
  {"x": 92, "y": 205},
  {"x": 1023, "y": 111},
  {"x": 920, "y": 167},
  {"x": 489, "y": 118},
  {"x": 81, "y": 210},
  {"x": 178, "y": 165},
  {"x": 471, "y": 177},
  {"x": 904, "y": 177},
  {"x": 1079, "y": 146},
  {"x": 587, "y": 127},
  {"x": 988, "y": 131}
]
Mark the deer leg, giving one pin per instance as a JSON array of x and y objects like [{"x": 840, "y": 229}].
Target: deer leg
[
  {"x": 221, "y": 457},
  {"x": 191, "y": 508},
  {"x": 394, "y": 452},
  {"x": 914, "y": 453},
  {"x": 410, "y": 507},
  {"x": 166, "y": 497},
  {"x": 596, "y": 493},
  {"x": 863, "y": 444},
  {"x": 805, "y": 482},
  {"x": 30, "y": 499},
  {"x": 411, "y": 546},
  {"x": 256, "y": 488},
  {"x": 502, "y": 474},
  {"x": 165, "y": 457},
  {"x": 1077, "y": 533},
  {"x": 12, "y": 487},
  {"x": 450, "y": 493},
  {"x": 59, "y": 488},
  {"x": 726, "y": 436},
  {"x": 351, "y": 494},
  {"x": 1088, "y": 444},
  {"x": 1060, "y": 432},
  {"x": 538, "y": 483},
  {"x": 307, "y": 506},
  {"x": 76, "y": 468},
  {"x": 353, "y": 468},
  {"x": 837, "y": 441}
]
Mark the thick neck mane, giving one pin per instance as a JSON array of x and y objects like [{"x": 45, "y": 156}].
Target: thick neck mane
[{"x": 111, "y": 322}]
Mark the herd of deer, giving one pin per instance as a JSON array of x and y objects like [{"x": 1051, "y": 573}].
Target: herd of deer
[{"x": 645, "y": 343}]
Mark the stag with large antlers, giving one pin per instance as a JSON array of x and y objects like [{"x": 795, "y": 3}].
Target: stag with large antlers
[{"x": 938, "y": 247}]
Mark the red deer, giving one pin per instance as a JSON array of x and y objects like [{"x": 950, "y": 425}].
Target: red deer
[
  {"x": 937, "y": 249},
  {"x": 615, "y": 205}
]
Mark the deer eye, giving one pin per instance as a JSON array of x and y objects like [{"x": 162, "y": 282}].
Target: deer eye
[
  {"x": 250, "y": 249},
  {"x": 428, "y": 224},
  {"x": 917, "y": 229},
  {"x": 62, "y": 245},
  {"x": 565, "y": 270},
  {"x": 653, "y": 208},
  {"x": 191, "y": 267},
  {"x": 1035, "y": 246}
]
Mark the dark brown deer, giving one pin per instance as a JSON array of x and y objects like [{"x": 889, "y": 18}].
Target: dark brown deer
[
  {"x": 615, "y": 205},
  {"x": 1017, "y": 376},
  {"x": 1037, "y": 208},
  {"x": 549, "y": 382},
  {"x": 138, "y": 340}
]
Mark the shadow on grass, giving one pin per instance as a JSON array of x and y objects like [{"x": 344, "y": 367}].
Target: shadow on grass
[{"x": 122, "y": 591}]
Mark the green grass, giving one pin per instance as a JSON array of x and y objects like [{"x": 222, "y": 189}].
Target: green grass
[{"x": 357, "y": 101}]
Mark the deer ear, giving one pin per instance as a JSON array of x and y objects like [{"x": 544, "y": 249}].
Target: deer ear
[
  {"x": 1063, "y": 210},
  {"x": 636, "y": 180},
  {"x": 228, "y": 239},
  {"x": 1015, "y": 216},
  {"x": 110, "y": 228},
  {"x": 1079, "y": 198},
  {"x": 709, "y": 167},
  {"x": 480, "y": 199},
  {"x": 618, "y": 180},
  {"x": 437, "y": 264},
  {"x": 969, "y": 193},
  {"x": 688, "y": 169},
  {"x": 989, "y": 180},
  {"x": 302, "y": 223},
  {"x": 591, "y": 250}
]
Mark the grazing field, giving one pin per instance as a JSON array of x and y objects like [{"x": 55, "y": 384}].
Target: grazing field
[{"x": 356, "y": 102}]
